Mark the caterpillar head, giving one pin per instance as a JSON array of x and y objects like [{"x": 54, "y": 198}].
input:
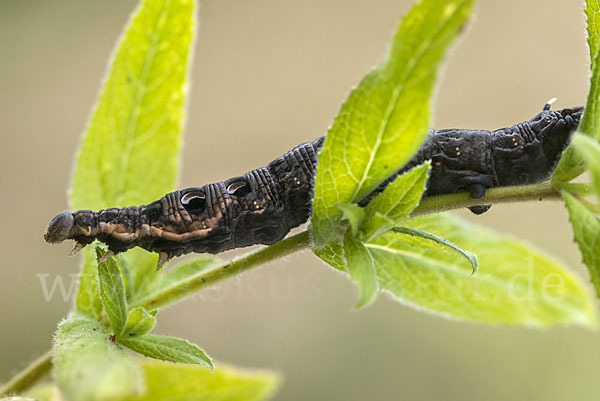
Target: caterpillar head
[{"x": 60, "y": 228}]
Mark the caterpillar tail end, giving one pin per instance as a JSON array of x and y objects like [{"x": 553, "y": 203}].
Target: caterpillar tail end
[
  {"x": 549, "y": 103},
  {"x": 60, "y": 228}
]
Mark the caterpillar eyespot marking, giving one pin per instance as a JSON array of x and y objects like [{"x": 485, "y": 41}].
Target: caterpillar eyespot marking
[
  {"x": 238, "y": 188},
  {"x": 192, "y": 202},
  {"x": 263, "y": 205}
]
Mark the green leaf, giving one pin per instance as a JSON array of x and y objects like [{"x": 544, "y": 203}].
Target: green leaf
[
  {"x": 354, "y": 214},
  {"x": 571, "y": 163},
  {"x": 186, "y": 269},
  {"x": 139, "y": 322},
  {"x": 586, "y": 229},
  {"x": 385, "y": 119},
  {"x": 592, "y": 11},
  {"x": 126, "y": 274},
  {"x": 333, "y": 255},
  {"x": 16, "y": 398},
  {"x": 168, "y": 349},
  {"x": 395, "y": 203},
  {"x": 43, "y": 392},
  {"x": 569, "y": 167},
  {"x": 515, "y": 284},
  {"x": 361, "y": 268},
  {"x": 590, "y": 121},
  {"x": 442, "y": 243},
  {"x": 175, "y": 279},
  {"x": 589, "y": 149},
  {"x": 166, "y": 381},
  {"x": 112, "y": 292},
  {"x": 89, "y": 366},
  {"x": 129, "y": 154},
  {"x": 88, "y": 294},
  {"x": 143, "y": 267}
]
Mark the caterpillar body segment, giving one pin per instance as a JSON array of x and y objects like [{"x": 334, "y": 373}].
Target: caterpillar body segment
[{"x": 260, "y": 207}]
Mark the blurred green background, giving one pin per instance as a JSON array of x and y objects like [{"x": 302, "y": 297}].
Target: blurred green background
[{"x": 270, "y": 74}]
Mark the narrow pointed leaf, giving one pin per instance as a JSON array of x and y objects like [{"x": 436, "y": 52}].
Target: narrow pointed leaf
[
  {"x": 590, "y": 121},
  {"x": 571, "y": 163},
  {"x": 126, "y": 274},
  {"x": 386, "y": 118},
  {"x": 443, "y": 243},
  {"x": 395, "y": 203},
  {"x": 354, "y": 214},
  {"x": 361, "y": 268},
  {"x": 88, "y": 301},
  {"x": 333, "y": 255},
  {"x": 139, "y": 322},
  {"x": 175, "y": 282},
  {"x": 129, "y": 154},
  {"x": 165, "y": 381},
  {"x": 589, "y": 149},
  {"x": 89, "y": 366},
  {"x": 112, "y": 292},
  {"x": 515, "y": 284},
  {"x": 43, "y": 392},
  {"x": 592, "y": 11},
  {"x": 586, "y": 231},
  {"x": 168, "y": 349}
]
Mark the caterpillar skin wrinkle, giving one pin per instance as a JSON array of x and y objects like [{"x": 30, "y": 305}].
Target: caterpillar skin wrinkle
[{"x": 263, "y": 205}]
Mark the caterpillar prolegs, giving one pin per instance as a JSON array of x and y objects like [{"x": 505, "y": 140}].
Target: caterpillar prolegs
[{"x": 263, "y": 205}]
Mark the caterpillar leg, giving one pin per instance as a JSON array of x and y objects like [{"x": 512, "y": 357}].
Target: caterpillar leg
[
  {"x": 163, "y": 257},
  {"x": 479, "y": 209},
  {"x": 444, "y": 180},
  {"x": 476, "y": 184},
  {"x": 76, "y": 248},
  {"x": 477, "y": 191},
  {"x": 109, "y": 254}
]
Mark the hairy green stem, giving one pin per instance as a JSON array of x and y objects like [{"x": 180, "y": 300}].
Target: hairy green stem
[
  {"x": 577, "y": 188},
  {"x": 297, "y": 242},
  {"x": 222, "y": 272},
  {"x": 461, "y": 200},
  {"x": 28, "y": 376},
  {"x": 300, "y": 241}
]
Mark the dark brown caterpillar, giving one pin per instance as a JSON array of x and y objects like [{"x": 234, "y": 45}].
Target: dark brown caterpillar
[{"x": 263, "y": 205}]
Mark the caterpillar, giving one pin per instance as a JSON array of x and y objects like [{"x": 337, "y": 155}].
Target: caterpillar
[{"x": 263, "y": 205}]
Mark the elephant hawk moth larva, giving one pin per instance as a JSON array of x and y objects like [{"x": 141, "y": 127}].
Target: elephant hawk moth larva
[{"x": 263, "y": 205}]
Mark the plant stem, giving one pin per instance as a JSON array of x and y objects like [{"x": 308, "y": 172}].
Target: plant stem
[
  {"x": 228, "y": 269},
  {"x": 578, "y": 188},
  {"x": 28, "y": 376},
  {"x": 461, "y": 200},
  {"x": 300, "y": 241},
  {"x": 296, "y": 243}
]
